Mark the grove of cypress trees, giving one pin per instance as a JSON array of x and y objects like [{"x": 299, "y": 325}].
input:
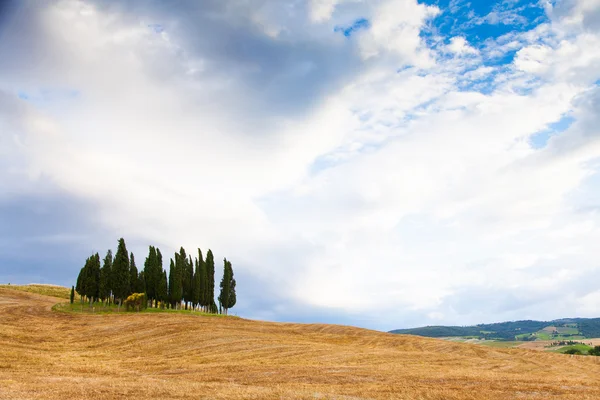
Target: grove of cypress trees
[
  {"x": 121, "y": 273},
  {"x": 120, "y": 277},
  {"x": 210, "y": 281}
]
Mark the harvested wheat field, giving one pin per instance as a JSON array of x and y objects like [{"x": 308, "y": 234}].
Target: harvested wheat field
[{"x": 51, "y": 355}]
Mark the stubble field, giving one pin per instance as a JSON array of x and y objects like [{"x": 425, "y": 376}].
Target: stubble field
[{"x": 52, "y": 355}]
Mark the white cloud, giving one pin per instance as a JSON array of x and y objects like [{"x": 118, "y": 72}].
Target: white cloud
[
  {"x": 459, "y": 45},
  {"x": 405, "y": 193},
  {"x": 321, "y": 10},
  {"x": 395, "y": 28}
]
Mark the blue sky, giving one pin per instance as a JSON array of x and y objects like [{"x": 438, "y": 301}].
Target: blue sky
[{"x": 383, "y": 164}]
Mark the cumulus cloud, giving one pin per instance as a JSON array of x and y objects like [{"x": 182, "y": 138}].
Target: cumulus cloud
[{"x": 370, "y": 179}]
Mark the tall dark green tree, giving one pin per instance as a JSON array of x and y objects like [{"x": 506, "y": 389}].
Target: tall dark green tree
[
  {"x": 105, "y": 277},
  {"x": 204, "y": 303},
  {"x": 177, "y": 292},
  {"x": 92, "y": 278},
  {"x": 140, "y": 285},
  {"x": 133, "y": 275},
  {"x": 80, "y": 285},
  {"x": 161, "y": 271},
  {"x": 152, "y": 275},
  {"x": 162, "y": 292},
  {"x": 187, "y": 276},
  {"x": 227, "y": 298},
  {"x": 121, "y": 273},
  {"x": 210, "y": 281},
  {"x": 199, "y": 279},
  {"x": 171, "y": 282},
  {"x": 72, "y": 294}
]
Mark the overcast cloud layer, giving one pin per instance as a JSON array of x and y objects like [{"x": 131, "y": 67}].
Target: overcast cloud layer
[{"x": 384, "y": 164}]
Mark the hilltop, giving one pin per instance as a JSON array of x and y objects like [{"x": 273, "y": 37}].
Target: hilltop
[
  {"x": 54, "y": 355},
  {"x": 528, "y": 330}
]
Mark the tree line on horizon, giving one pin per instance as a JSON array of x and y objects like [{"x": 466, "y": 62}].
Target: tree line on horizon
[{"x": 190, "y": 283}]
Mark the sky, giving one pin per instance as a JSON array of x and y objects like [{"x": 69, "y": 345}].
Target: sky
[{"x": 383, "y": 164}]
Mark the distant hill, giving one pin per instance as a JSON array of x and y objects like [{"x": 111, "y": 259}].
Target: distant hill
[{"x": 565, "y": 328}]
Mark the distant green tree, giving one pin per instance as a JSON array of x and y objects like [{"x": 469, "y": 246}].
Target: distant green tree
[
  {"x": 121, "y": 273},
  {"x": 105, "y": 277},
  {"x": 595, "y": 351},
  {"x": 210, "y": 281},
  {"x": 227, "y": 298},
  {"x": 72, "y": 294}
]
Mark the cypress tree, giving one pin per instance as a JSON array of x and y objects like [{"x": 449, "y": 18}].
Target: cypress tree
[
  {"x": 151, "y": 274},
  {"x": 223, "y": 296},
  {"x": 80, "y": 286},
  {"x": 159, "y": 268},
  {"x": 175, "y": 287},
  {"x": 203, "y": 285},
  {"x": 210, "y": 281},
  {"x": 227, "y": 298},
  {"x": 162, "y": 292},
  {"x": 187, "y": 276},
  {"x": 177, "y": 292},
  {"x": 72, "y": 294},
  {"x": 198, "y": 280},
  {"x": 92, "y": 278},
  {"x": 105, "y": 277},
  {"x": 140, "y": 284},
  {"x": 121, "y": 273},
  {"x": 133, "y": 275}
]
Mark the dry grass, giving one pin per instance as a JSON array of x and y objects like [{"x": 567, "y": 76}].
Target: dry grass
[
  {"x": 47, "y": 290},
  {"x": 48, "y": 355}
]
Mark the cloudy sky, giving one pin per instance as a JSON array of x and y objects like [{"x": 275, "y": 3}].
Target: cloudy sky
[{"x": 384, "y": 164}]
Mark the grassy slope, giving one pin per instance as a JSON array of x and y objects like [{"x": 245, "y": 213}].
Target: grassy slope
[
  {"x": 100, "y": 308},
  {"x": 49, "y": 355},
  {"x": 46, "y": 290},
  {"x": 583, "y": 348}
]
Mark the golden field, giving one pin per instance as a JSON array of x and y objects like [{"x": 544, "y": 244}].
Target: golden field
[{"x": 53, "y": 355}]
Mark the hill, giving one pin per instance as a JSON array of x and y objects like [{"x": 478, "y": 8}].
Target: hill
[
  {"x": 560, "y": 329},
  {"x": 54, "y": 355}
]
